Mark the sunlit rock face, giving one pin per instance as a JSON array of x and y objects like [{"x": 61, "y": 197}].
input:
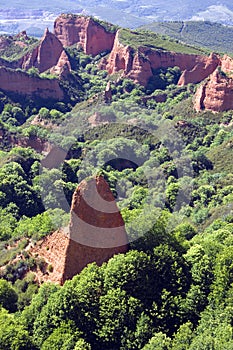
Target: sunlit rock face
[
  {"x": 96, "y": 229},
  {"x": 85, "y": 32},
  {"x": 215, "y": 94},
  {"x": 96, "y": 232}
]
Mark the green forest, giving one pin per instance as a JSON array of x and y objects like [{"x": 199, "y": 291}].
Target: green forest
[{"x": 170, "y": 170}]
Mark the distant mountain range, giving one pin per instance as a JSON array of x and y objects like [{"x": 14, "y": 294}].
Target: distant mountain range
[{"x": 17, "y": 15}]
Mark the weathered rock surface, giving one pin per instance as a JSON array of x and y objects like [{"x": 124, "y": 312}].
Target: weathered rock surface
[
  {"x": 96, "y": 232},
  {"x": 227, "y": 64},
  {"x": 52, "y": 249},
  {"x": 139, "y": 65},
  {"x": 45, "y": 55},
  {"x": 21, "y": 83},
  {"x": 200, "y": 71},
  {"x": 85, "y": 32},
  {"x": 136, "y": 64},
  {"x": 215, "y": 94},
  {"x": 36, "y": 143},
  {"x": 62, "y": 67}
]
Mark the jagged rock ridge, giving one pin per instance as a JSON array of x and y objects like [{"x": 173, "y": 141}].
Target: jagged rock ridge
[{"x": 94, "y": 38}]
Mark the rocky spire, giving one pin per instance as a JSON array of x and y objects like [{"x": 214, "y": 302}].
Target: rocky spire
[{"x": 96, "y": 229}]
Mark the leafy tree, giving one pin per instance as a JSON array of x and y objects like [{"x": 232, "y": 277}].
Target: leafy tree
[
  {"x": 158, "y": 342},
  {"x": 44, "y": 113},
  {"x": 118, "y": 314},
  {"x": 8, "y": 296},
  {"x": 64, "y": 337},
  {"x": 183, "y": 337},
  {"x": 16, "y": 189},
  {"x": 8, "y": 222},
  {"x": 31, "y": 312},
  {"x": 13, "y": 336}
]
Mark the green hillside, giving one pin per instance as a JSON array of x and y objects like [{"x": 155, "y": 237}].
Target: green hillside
[
  {"x": 170, "y": 171},
  {"x": 156, "y": 41},
  {"x": 214, "y": 36}
]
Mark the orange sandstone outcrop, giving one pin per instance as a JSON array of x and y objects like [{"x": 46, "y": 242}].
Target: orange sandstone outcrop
[
  {"x": 227, "y": 64},
  {"x": 139, "y": 65},
  {"x": 63, "y": 67},
  {"x": 215, "y": 94},
  {"x": 45, "y": 55},
  {"x": 96, "y": 232},
  {"x": 39, "y": 145},
  {"x": 200, "y": 71},
  {"x": 21, "y": 83},
  {"x": 85, "y": 32}
]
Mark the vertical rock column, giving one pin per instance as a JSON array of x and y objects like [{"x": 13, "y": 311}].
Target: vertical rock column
[{"x": 96, "y": 230}]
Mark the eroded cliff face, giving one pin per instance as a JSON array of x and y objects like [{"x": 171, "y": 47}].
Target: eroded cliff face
[
  {"x": 45, "y": 55},
  {"x": 39, "y": 145},
  {"x": 200, "y": 71},
  {"x": 139, "y": 65},
  {"x": 136, "y": 64},
  {"x": 84, "y": 32},
  {"x": 96, "y": 232},
  {"x": 21, "y": 83},
  {"x": 215, "y": 94},
  {"x": 48, "y": 55}
]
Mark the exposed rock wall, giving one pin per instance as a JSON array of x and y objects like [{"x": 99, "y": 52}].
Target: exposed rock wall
[
  {"x": 200, "y": 71},
  {"x": 215, "y": 94},
  {"x": 85, "y": 32},
  {"x": 139, "y": 65},
  {"x": 62, "y": 67},
  {"x": 45, "y": 55},
  {"x": 96, "y": 232},
  {"x": 227, "y": 64},
  {"x": 96, "y": 229},
  {"x": 21, "y": 83}
]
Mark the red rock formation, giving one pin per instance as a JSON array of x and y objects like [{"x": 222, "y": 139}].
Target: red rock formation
[
  {"x": 45, "y": 55},
  {"x": 227, "y": 64},
  {"x": 216, "y": 94},
  {"x": 200, "y": 71},
  {"x": 157, "y": 98},
  {"x": 120, "y": 58},
  {"x": 21, "y": 83},
  {"x": 52, "y": 249},
  {"x": 96, "y": 229},
  {"x": 139, "y": 65},
  {"x": 36, "y": 143},
  {"x": 96, "y": 232},
  {"x": 85, "y": 32},
  {"x": 63, "y": 67}
]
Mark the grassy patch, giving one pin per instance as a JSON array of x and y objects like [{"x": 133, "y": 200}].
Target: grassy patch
[{"x": 156, "y": 41}]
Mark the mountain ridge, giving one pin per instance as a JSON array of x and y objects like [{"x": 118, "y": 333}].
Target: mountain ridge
[
  {"x": 211, "y": 35},
  {"x": 15, "y": 16}
]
